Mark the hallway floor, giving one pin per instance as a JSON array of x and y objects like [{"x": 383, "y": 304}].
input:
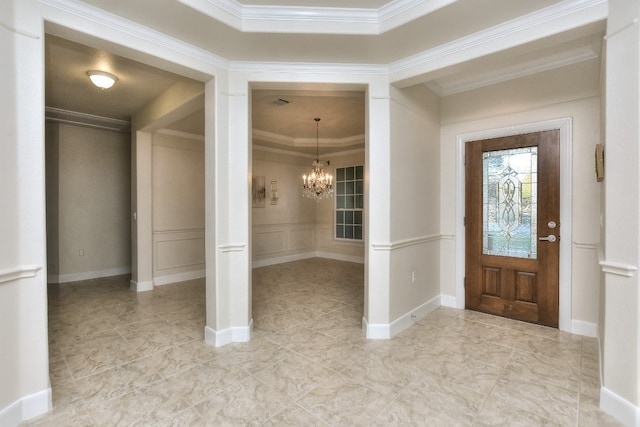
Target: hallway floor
[{"x": 121, "y": 358}]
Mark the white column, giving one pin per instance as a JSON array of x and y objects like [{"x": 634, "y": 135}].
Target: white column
[
  {"x": 231, "y": 304},
  {"x": 378, "y": 212},
  {"x": 620, "y": 330},
  {"x": 141, "y": 207}
]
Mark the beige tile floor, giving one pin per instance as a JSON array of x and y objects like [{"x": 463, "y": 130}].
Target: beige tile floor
[{"x": 120, "y": 358}]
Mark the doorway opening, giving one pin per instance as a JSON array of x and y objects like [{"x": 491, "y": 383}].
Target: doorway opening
[
  {"x": 92, "y": 214},
  {"x": 307, "y": 255}
]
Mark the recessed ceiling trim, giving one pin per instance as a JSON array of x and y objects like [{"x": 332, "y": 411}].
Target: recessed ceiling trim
[
  {"x": 180, "y": 134},
  {"x": 98, "y": 16},
  {"x": 58, "y": 115},
  {"x": 315, "y": 20},
  {"x": 521, "y": 69},
  {"x": 555, "y": 19},
  {"x": 305, "y": 155},
  {"x": 308, "y": 68},
  {"x": 307, "y": 142}
]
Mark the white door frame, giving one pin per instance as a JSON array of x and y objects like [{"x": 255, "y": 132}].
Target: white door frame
[{"x": 565, "y": 126}]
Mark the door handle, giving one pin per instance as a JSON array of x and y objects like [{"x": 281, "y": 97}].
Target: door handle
[{"x": 550, "y": 238}]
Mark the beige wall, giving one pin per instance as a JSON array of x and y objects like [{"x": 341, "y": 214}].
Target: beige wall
[
  {"x": 88, "y": 173},
  {"x": 325, "y": 215},
  {"x": 177, "y": 208},
  {"x": 571, "y": 91},
  {"x": 296, "y": 226},
  {"x": 415, "y": 186}
]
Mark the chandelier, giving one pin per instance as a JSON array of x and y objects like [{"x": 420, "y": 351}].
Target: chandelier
[{"x": 318, "y": 184}]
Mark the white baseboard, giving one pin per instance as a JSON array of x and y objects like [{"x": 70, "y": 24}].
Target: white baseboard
[
  {"x": 621, "y": 409},
  {"x": 282, "y": 259},
  {"x": 26, "y": 408},
  {"x": 383, "y": 331},
  {"x": 179, "y": 277},
  {"x": 141, "y": 286},
  {"x": 87, "y": 275},
  {"x": 229, "y": 335},
  {"x": 587, "y": 329},
  {"x": 340, "y": 257},
  {"x": 449, "y": 301},
  {"x": 376, "y": 331},
  {"x": 408, "y": 319},
  {"x": 306, "y": 255}
]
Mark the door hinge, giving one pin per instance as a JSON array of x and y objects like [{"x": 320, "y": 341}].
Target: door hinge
[
  {"x": 465, "y": 282},
  {"x": 464, "y": 159},
  {"x": 464, "y": 221}
]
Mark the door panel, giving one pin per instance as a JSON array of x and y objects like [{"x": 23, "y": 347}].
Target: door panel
[{"x": 512, "y": 201}]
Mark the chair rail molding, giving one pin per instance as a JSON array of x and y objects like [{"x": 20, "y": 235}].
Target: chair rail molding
[{"x": 20, "y": 272}]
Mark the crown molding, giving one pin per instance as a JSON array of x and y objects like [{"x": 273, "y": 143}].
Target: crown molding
[
  {"x": 305, "y": 155},
  {"x": 308, "y": 68},
  {"x": 180, "y": 134},
  {"x": 551, "y": 20},
  {"x": 315, "y": 20},
  {"x": 520, "y": 69},
  {"x": 306, "y": 142},
  {"x": 58, "y": 115},
  {"x": 122, "y": 25}
]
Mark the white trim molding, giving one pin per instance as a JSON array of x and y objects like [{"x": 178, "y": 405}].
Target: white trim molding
[
  {"x": 565, "y": 126},
  {"x": 87, "y": 275},
  {"x": 449, "y": 301},
  {"x": 383, "y": 331},
  {"x": 232, "y": 248},
  {"x": 306, "y": 255},
  {"x": 618, "y": 268},
  {"x": 313, "y": 20},
  {"x": 618, "y": 407},
  {"x": 26, "y": 408},
  {"x": 141, "y": 286},
  {"x": 111, "y": 21},
  {"x": 410, "y": 242},
  {"x": 587, "y": 329},
  {"x": 229, "y": 335},
  {"x": 179, "y": 277},
  {"x": 21, "y": 272}
]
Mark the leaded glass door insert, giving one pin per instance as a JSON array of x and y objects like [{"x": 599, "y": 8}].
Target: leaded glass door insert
[{"x": 509, "y": 202}]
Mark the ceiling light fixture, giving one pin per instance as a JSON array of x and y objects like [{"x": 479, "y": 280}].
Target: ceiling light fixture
[
  {"x": 102, "y": 79},
  {"x": 318, "y": 184}
]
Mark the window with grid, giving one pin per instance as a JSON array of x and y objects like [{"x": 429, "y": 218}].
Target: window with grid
[{"x": 349, "y": 194}]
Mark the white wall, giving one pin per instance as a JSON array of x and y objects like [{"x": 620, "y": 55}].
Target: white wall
[
  {"x": 92, "y": 195},
  {"x": 415, "y": 198},
  {"x": 177, "y": 208},
  {"x": 566, "y": 92}
]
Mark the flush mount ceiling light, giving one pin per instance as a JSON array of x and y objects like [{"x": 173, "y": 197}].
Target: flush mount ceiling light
[
  {"x": 102, "y": 79},
  {"x": 318, "y": 184}
]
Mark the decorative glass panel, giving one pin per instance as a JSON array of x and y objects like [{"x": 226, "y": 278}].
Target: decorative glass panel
[{"x": 509, "y": 203}]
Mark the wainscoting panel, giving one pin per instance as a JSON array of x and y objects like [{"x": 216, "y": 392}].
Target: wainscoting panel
[
  {"x": 282, "y": 240},
  {"x": 269, "y": 242},
  {"x": 301, "y": 239},
  {"x": 178, "y": 251}
]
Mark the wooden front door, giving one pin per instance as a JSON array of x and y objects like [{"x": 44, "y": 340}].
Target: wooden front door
[{"x": 512, "y": 225}]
